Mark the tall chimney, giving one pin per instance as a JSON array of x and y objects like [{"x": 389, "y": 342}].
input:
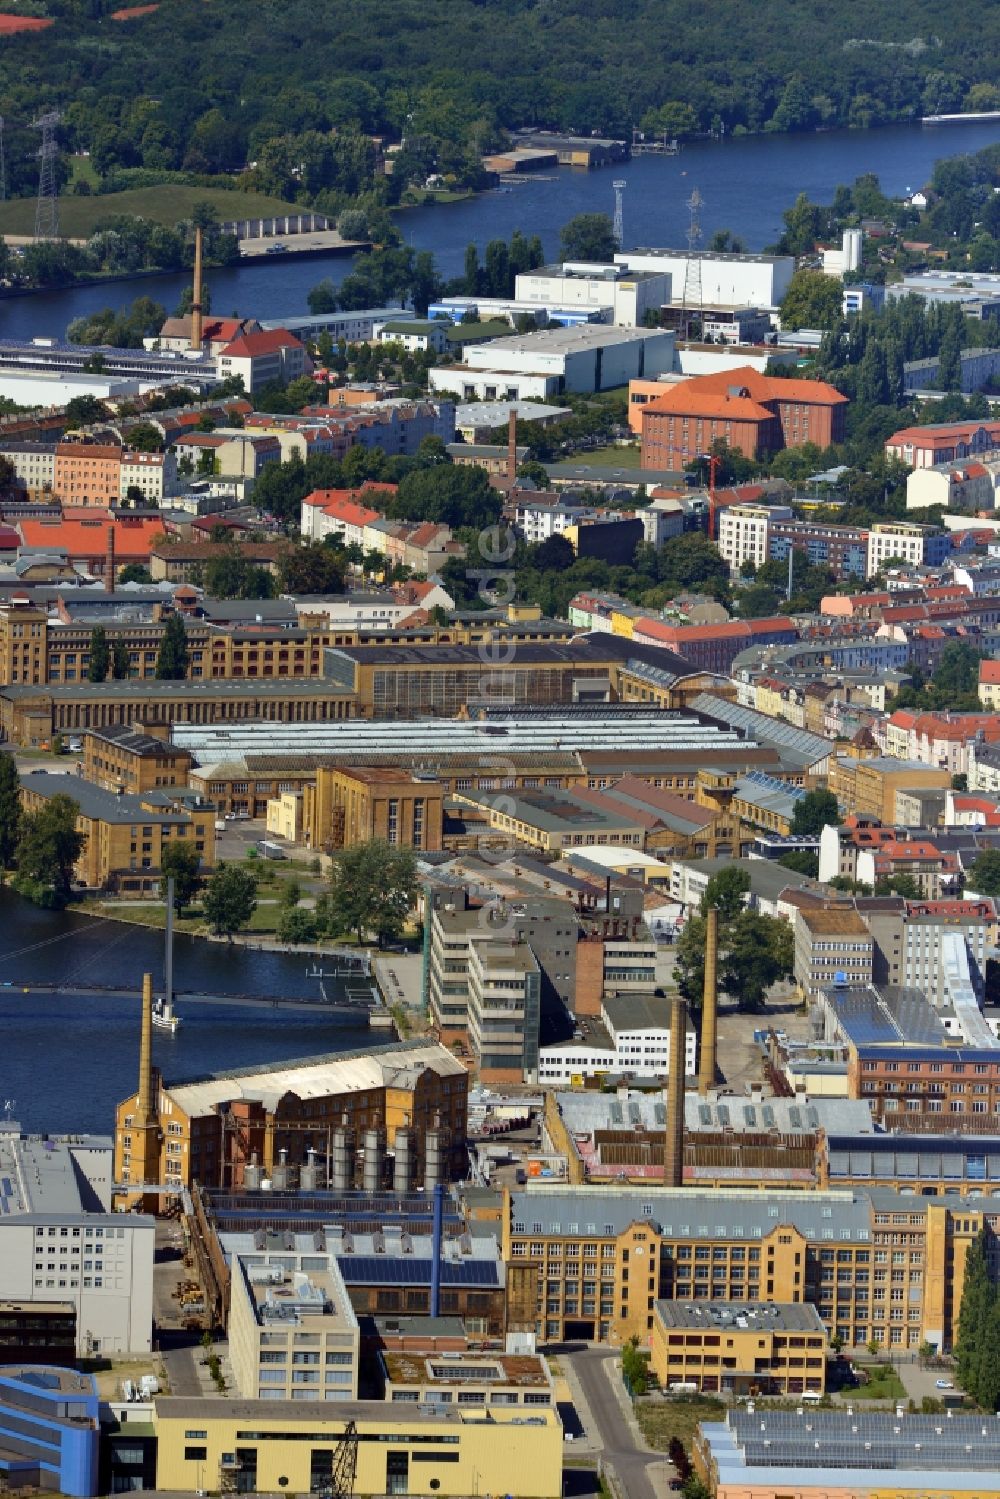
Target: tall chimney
[
  {"x": 709, "y": 1004},
  {"x": 673, "y": 1153},
  {"x": 196, "y": 293},
  {"x": 145, "y": 1104},
  {"x": 512, "y": 444},
  {"x": 109, "y": 563}
]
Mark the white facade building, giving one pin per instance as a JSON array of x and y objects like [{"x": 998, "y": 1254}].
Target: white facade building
[
  {"x": 726, "y": 280},
  {"x": 34, "y": 463},
  {"x": 154, "y": 474},
  {"x": 415, "y": 335},
  {"x": 59, "y": 1241},
  {"x": 553, "y": 360},
  {"x": 743, "y": 532},
  {"x": 622, "y": 296},
  {"x": 634, "y": 1039},
  {"x": 918, "y": 545}
]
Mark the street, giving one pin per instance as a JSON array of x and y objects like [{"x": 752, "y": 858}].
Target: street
[{"x": 609, "y": 1426}]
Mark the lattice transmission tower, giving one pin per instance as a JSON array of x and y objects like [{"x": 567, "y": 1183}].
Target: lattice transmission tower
[
  {"x": 619, "y": 225},
  {"x": 47, "y": 208},
  {"x": 691, "y": 301}
]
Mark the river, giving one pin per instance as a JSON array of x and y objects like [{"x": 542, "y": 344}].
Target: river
[
  {"x": 746, "y": 184},
  {"x": 68, "y": 1059}
]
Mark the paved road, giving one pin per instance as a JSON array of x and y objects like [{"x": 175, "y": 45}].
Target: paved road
[{"x": 614, "y": 1434}]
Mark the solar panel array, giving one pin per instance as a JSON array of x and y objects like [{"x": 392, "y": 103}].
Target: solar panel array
[
  {"x": 378, "y": 1270},
  {"x": 870, "y": 1439}
]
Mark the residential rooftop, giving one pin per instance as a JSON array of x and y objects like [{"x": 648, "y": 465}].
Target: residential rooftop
[{"x": 732, "y": 1316}]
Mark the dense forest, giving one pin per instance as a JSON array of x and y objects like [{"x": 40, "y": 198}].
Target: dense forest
[{"x": 257, "y": 89}]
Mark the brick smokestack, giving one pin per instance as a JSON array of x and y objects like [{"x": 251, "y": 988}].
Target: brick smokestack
[
  {"x": 709, "y": 1004},
  {"x": 109, "y": 563},
  {"x": 196, "y": 294},
  {"x": 512, "y": 444},
  {"x": 145, "y": 1103},
  {"x": 673, "y": 1153}
]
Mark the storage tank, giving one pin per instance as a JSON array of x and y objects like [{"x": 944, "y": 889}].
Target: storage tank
[
  {"x": 283, "y": 1175},
  {"x": 374, "y": 1158},
  {"x": 434, "y": 1164},
  {"x": 342, "y": 1166},
  {"x": 852, "y": 245},
  {"x": 309, "y": 1172},
  {"x": 402, "y": 1170},
  {"x": 252, "y": 1175}
]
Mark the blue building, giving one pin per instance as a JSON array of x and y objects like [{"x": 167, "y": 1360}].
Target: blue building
[{"x": 50, "y": 1431}]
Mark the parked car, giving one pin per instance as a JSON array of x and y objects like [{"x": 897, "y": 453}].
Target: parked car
[{"x": 943, "y": 1384}]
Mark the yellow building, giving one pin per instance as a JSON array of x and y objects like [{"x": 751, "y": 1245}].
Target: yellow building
[
  {"x": 592, "y": 1262},
  {"x": 293, "y": 1335},
  {"x": 869, "y": 787},
  {"x": 284, "y": 816},
  {"x": 771, "y": 1348},
  {"x": 291, "y": 1446},
  {"x": 346, "y": 807},
  {"x": 124, "y": 836},
  {"x": 134, "y": 759},
  {"x": 22, "y": 642}
]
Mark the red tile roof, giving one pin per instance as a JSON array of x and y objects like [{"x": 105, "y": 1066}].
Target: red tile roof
[
  {"x": 989, "y": 671},
  {"x": 255, "y": 345},
  {"x": 134, "y": 537},
  {"x": 10, "y": 24}
]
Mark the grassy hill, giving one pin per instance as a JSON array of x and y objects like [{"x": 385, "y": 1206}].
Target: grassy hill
[{"x": 79, "y": 217}]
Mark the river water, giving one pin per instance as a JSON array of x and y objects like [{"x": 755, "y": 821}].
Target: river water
[
  {"x": 67, "y": 1059},
  {"x": 746, "y": 185}
]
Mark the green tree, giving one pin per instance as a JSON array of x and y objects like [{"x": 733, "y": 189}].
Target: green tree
[
  {"x": 983, "y": 875},
  {"x": 312, "y": 568},
  {"x": 48, "y": 849},
  {"x": 801, "y": 861},
  {"x": 172, "y": 657},
  {"x": 135, "y": 573},
  {"x": 813, "y": 300},
  {"x": 119, "y": 661},
  {"x": 973, "y": 1344},
  {"x": 296, "y": 925},
  {"x": 230, "y": 899},
  {"x": 100, "y": 655},
  {"x": 10, "y": 810},
  {"x": 181, "y": 862},
  {"x": 727, "y": 891},
  {"x": 372, "y": 887},
  {"x": 813, "y": 812},
  {"x": 759, "y": 952},
  {"x": 588, "y": 236}
]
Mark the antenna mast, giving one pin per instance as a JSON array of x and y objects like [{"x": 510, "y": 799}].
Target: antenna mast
[
  {"x": 47, "y": 209},
  {"x": 691, "y": 302},
  {"x": 619, "y": 226}
]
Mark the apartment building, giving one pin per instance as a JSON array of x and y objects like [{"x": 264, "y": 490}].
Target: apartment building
[
  {"x": 943, "y": 442},
  {"x": 87, "y": 473},
  {"x": 768, "y": 533},
  {"x": 34, "y": 465},
  {"x": 592, "y": 1263},
  {"x": 185, "y": 562},
  {"x": 832, "y": 947},
  {"x": 917, "y": 546},
  {"x": 125, "y": 835},
  {"x": 868, "y": 787}
]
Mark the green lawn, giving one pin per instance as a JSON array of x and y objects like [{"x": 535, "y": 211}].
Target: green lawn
[
  {"x": 78, "y": 217},
  {"x": 883, "y": 1384},
  {"x": 611, "y": 457},
  {"x": 662, "y": 1417}
]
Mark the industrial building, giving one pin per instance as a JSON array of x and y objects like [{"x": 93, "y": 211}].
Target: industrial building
[
  {"x": 552, "y": 361},
  {"x": 418, "y": 1448},
  {"x": 293, "y": 1335},
  {"x": 853, "y": 1454},
  {"x": 257, "y": 1123},
  {"x": 726, "y": 280},
  {"x": 623, "y": 296}
]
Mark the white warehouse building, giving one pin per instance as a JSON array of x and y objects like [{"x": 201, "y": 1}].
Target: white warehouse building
[
  {"x": 623, "y": 296},
  {"x": 726, "y": 280},
  {"x": 554, "y": 360},
  {"x": 633, "y": 1039}
]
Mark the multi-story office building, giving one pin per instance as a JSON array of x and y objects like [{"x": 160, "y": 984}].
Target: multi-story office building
[
  {"x": 60, "y": 1242},
  {"x": 504, "y": 1005},
  {"x": 739, "y": 1348},
  {"x": 125, "y": 836},
  {"x": 122, "y": 758},
  {"x": 52, "y": 1431},
  {"x": 293, "y": 1334},
  {"x": 592, "y": 1262},
  {"x": 349, "y": 806},
  {"x": 831, "y": 947}
]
